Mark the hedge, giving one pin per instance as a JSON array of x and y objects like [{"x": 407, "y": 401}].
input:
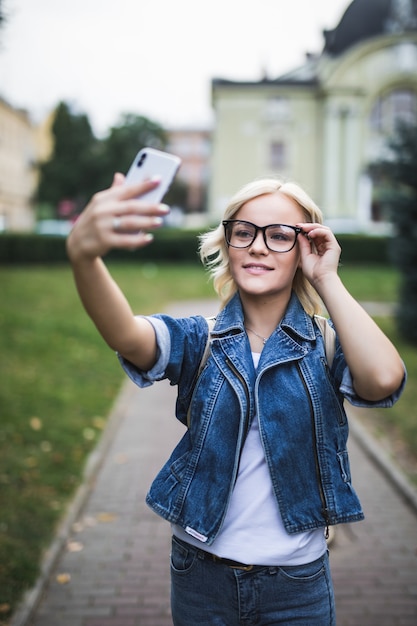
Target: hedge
[
  {"x": 170, "y": 245},
  {"x": 365, "y": 250}
]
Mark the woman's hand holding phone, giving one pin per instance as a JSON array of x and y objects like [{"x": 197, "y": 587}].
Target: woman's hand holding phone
[
  {"x": 116, "y": 218},
  {"x": 124, "y": 215}
]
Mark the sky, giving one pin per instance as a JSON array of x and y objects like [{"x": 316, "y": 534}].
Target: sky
[{"x": 150, "y": 57}]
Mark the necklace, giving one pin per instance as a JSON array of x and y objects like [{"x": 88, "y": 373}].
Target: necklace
[{"x": 263, "y": 339}]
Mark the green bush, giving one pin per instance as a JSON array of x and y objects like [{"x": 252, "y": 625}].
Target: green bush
[
  {"x": 16, "y": 249},
  {"x": 170, "y": 245},
  {"x": 365, "y": 250},
  {"x": 397, "y": 178},
  {"x": 405, "y": 258}
]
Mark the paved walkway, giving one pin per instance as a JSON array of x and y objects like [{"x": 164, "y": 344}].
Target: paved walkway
[{"x": 113, "y": 569}]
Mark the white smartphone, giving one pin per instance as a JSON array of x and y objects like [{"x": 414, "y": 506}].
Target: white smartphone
[{"x": 149, "y": 163}]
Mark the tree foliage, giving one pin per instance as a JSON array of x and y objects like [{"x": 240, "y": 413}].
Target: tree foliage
[
  {"x": 81, "y": 164},
  {"x": 2, "y": 16},
  {"x": 70, "y": 173},
  {"x": 132, "y": 133},
  {"x": 400, "y": 175}
]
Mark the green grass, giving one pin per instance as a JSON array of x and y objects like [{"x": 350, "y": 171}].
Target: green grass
[
  {"x": 398, "y": 425},
  {"x": 371, "y": 283},
  {"x": 59, "y": 380}
]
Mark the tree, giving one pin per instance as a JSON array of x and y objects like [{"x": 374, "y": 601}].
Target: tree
[
  {"x": 131, "y": 134},
  {"x": 71, "y": 172},
  {"x": 81, "y": 164},
  {"x": 400, "y": 175},
  {"x": 2, "y": 15}
]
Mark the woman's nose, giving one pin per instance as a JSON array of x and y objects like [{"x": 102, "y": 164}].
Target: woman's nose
[{"x": 258, "y": 244}]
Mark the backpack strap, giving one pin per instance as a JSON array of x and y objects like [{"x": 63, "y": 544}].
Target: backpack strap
[
  {"x": 329, "y": 337},
  {"x": 210, "y": 323}
]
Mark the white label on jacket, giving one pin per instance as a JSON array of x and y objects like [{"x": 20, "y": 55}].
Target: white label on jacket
[{"x": 195, "y": 534}]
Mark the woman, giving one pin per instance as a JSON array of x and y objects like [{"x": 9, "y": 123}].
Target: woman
[{"x": 262, "y": 470}]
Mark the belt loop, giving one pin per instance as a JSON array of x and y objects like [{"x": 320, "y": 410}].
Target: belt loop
[{"x": 201, "y": 554}]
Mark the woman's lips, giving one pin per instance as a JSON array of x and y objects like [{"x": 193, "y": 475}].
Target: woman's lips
[{"x": 257, "y": 268}]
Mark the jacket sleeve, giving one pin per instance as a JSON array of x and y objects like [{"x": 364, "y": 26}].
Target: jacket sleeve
[
  {"x": 348, "y": 391},
  {"x": 163, "y": 342}
]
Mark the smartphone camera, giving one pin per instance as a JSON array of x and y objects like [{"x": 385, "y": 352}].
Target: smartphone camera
[{"x": 141, "y": 160}]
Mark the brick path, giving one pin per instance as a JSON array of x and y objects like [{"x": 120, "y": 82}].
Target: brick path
[{"x": 116, "y": 562}]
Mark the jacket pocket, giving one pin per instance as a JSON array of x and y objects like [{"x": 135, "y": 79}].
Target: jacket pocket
[
  {"x": 343, "y": 459},
  {"x": 177, "y": 468}
]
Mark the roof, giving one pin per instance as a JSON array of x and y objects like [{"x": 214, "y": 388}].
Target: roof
[
  {"x": 362, "y": 20},
  {"x": 365, "y": 19}
]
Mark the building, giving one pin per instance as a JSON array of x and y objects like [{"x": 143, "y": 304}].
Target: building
[
  {"x": 193, "y": 146},
  {"x": 22, "y": 144},
  {"x": 323, "y": 123}
]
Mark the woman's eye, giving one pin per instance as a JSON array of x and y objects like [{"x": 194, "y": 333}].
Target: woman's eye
[
  {"x": 244, "y": 234},
  {"x": 279, "y": 236}
]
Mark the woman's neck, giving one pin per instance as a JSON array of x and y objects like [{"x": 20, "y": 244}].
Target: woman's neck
[{"x": 262, "y": 315}]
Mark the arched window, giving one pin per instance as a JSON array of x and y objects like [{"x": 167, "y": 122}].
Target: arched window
[{"x": 399, "y": 105}]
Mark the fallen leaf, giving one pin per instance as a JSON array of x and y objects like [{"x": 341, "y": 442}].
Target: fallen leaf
[
  {"x": 89, "y": 434},
  {"x": 74, "y": 546},
  {"x": 31, "y": 461},
  {"x": 35, "y": 423},
  {"x": 99, "y": 423},
  {"x": 106, "y": 517},
  {"x": 63, "y": 579}
]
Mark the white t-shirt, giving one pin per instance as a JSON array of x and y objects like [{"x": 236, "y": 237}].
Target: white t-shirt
[{"x": 253, "y": 531}]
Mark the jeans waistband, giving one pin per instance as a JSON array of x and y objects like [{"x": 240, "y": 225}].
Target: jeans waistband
[{"x": 218, "y": 559}]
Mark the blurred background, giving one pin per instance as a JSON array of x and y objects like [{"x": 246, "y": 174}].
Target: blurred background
[
  {"x": 308, "y": 91},
  {"x": 323, "y": 93}
]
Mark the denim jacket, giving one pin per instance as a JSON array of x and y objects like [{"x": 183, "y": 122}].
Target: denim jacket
[{"x": 299, "y": 405}]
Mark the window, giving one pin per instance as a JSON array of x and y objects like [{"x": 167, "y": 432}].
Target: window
[
  {"x": 277, "y": 109},
  {"x": 277, "y": 156},
  {"x": 399, "y": 105}
]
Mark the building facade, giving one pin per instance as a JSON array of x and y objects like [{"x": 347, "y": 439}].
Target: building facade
[
  {"x": 324, "y": 123},
  {"x": 22, "y": 145},
  {"x": 193, "y": 146}
]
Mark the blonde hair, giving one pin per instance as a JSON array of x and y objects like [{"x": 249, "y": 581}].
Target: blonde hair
[{"x": 214, "y": 251}]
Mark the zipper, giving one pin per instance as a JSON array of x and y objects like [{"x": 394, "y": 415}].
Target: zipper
[
  {"x": 324, "y": 507},
  {"x": 341, "y": 418},
  {"x": 246, "y": 422},
  {"x": 245, "y": 430}
]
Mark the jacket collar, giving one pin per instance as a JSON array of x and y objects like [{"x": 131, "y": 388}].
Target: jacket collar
[{"x": 296, "y": 322}]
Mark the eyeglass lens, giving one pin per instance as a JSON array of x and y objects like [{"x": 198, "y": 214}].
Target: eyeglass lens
[{"x": 278, "y": 237}]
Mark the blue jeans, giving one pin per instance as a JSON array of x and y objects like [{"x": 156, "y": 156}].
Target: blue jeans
[{"x": 206, "y": 593}]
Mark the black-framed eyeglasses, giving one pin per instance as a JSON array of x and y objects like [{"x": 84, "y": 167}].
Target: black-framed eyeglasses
[{"x": 277, "y": 237}]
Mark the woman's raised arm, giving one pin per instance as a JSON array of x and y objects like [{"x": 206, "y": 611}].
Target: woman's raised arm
[
  {"x": 115, "y": 218},
  {"x": 376, "y": 367}
]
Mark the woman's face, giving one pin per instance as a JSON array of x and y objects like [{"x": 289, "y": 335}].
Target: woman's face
[{"x": 256, "y": 270}]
